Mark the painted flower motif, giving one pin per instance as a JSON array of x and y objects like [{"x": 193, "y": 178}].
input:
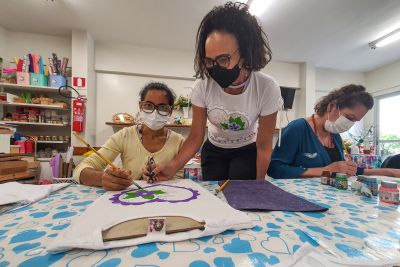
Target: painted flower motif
[
  {"x": 155, "y": 193},
  {"x": 234, "y": 124}
]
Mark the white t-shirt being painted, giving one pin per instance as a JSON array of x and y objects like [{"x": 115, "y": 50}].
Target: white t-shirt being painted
[{"x": 233, "y": 119}]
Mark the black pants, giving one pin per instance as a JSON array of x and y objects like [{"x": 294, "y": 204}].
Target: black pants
[{"x": 228, "y": 163}]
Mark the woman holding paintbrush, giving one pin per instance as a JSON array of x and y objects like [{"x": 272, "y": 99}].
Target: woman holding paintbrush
[
  {"x": 136, "y": 144},
  {"x": 313, "y": 145}
]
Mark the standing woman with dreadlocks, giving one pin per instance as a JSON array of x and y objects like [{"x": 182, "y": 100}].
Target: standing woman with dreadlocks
[{"x": 239, "y": 101}]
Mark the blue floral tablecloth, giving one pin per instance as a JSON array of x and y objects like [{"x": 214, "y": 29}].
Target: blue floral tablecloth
[{"x": 354, "y": 227}]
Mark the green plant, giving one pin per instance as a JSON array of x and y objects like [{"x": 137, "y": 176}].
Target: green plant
[
  {"x": 182, "y": 102},
  {"x": 366, "y": 135}
]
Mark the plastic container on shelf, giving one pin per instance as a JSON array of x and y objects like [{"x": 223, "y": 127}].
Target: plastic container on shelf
[
  {"x": 23, "y": 78},
  {"x": 38, "y": 79},
  {"x": 9, "y": 75},
  {"x": 56, "y": 81}
]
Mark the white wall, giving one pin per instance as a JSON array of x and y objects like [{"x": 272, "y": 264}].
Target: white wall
[
  {"x": 20, "y": 43},
  {"x": 328, "y": 79},
  {"x": 142, "y": 64},
  {"x": 131, "y": 59},
  {"x": 382, "y": 80},
  {"x": 83, "y": 66},
  {"x": 120, "y": 93},
  {"x": 3, "y": 36}
]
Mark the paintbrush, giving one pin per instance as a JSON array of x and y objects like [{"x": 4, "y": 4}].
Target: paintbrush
[{"x": 221, "y": 187}]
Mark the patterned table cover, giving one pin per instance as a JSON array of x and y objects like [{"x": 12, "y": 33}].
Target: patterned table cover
[{"x": 355, "y": 227}]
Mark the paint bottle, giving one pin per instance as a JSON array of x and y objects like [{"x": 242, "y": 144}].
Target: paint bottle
[
  {"x": 325, "y": 177},
  {"x": 370, "y": 182},
  {"x": 389, "y": 192},
  {"x": 332, "y": 181},
  {"x": 341, "y": 181}
]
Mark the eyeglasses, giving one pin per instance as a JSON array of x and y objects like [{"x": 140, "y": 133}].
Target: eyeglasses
[
  {"x": 149, "y": 107},
  {"x": 221, "y": 60}
]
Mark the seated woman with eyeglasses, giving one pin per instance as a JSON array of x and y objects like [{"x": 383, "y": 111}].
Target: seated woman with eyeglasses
[{"x": 135, "y": 144}]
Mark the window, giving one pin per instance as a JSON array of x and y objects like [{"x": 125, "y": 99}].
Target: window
[{"x": 388, "y": 124}]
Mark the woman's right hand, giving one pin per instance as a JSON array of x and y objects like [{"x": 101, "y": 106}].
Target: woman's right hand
[
  {"x": 116, "y": 179},
  {"x": 347, "y": 167}
]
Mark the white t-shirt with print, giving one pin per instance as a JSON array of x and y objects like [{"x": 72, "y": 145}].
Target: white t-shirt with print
[
  {"x": 180, "y": 197},
  {"x": 233, "y": 119}
]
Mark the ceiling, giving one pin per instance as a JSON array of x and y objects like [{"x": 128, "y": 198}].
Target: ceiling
[{"x": 328, "y": 33}]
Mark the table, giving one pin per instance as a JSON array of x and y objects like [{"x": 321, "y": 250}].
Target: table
[
  {"x": 367, "y": 161},
  {"x": 354, "y": 227}
]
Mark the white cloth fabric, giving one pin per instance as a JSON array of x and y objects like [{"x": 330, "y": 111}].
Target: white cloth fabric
[
  {"x": 234, "y": 118},
  {"x": 308, "y": 256},
  {"x": 86, "y": 230},
  {"x": 13, "y": 192}
]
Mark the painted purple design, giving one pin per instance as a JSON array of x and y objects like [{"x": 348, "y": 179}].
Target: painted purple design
[{"x": 148, "y": 196}]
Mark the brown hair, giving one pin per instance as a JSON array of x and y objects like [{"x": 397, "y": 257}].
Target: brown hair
[
  {"x": 346, "y": 97},
  {"x": 235, "y": 19}
]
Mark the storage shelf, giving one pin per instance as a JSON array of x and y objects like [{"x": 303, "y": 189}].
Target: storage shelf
[
  {"x": 39, "y": 89},
  {"x": 32, "y": 105},
  {"x": 43, "y": 159},
  {"x": 34, "y": 123},
  {"x": 51, "y": 142}
]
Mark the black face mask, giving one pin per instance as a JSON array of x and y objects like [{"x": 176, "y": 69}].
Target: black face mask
[{"x": 224, "y": 77}]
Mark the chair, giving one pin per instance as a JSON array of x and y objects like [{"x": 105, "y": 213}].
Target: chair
[{"x": 392, "y": 162}]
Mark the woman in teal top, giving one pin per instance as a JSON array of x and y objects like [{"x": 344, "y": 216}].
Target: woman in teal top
[{"x": 313, "y": 145}]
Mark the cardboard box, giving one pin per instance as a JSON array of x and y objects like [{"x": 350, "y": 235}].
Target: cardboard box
[
  {"x": 5, "y": 143},
  {"x": 23, "y": 78}
]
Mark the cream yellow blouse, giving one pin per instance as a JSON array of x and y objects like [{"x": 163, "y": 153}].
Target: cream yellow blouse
[{"x": 134, "y": 155}]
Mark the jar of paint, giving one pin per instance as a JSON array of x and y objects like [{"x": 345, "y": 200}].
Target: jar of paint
[
  {"x": 341, "y": 181},
  {"x": 389, "y": 192},
  {"x": 370, "y": 182},
  {"x": 325, "y": 177},
  {"x": 332, "y": 181}
]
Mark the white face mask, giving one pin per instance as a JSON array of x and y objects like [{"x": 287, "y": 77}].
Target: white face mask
[
  {"x": 342, "y": 124},
  {"x": 154, "y": 120}
]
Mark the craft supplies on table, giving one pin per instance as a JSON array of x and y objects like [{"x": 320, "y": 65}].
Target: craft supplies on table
[
  {"x": 192, "y": 170},
  {"x": 367, "y": 161},
  {"x": 355, "y": 229},
  {"x": 370, "y": 182},
  {"x": 389, "y": 192},
  {"x": 341, "y": 181},
  {"x": 263, "y": 195},
  {"x": 325, "y": 177}
]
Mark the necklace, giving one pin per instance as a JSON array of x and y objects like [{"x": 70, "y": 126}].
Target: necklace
[{"x": 328, "y": 144}]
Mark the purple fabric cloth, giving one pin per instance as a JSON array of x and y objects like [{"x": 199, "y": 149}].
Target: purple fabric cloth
[{"x": 262, "y": 195}]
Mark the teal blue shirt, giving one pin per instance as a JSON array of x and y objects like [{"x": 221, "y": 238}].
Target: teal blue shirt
[{"x": 300, "y": 149}]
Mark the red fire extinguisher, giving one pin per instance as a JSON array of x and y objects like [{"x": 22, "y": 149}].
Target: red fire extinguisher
[{"x": 78, "y": 114}]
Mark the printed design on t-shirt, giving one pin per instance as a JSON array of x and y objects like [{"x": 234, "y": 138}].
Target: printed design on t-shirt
[
  {"x": 155, "y": 193},
  {"x": 311, "y": 155},
  {"x": 228, "y": 120}
]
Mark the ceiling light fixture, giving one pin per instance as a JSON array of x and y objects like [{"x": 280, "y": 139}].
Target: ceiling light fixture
[
  {"x": 258, "y": 7},
  {"x": 386, "y": 39}
]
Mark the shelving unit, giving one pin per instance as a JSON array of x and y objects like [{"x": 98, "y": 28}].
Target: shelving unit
[
  {"x": 32, "y": 105},
  {"x": 34, "y": 123},
  {"x": 36, "y": 128},
  {"x": 51, "y": 142},
  {"x": 30, "y": 88}
]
